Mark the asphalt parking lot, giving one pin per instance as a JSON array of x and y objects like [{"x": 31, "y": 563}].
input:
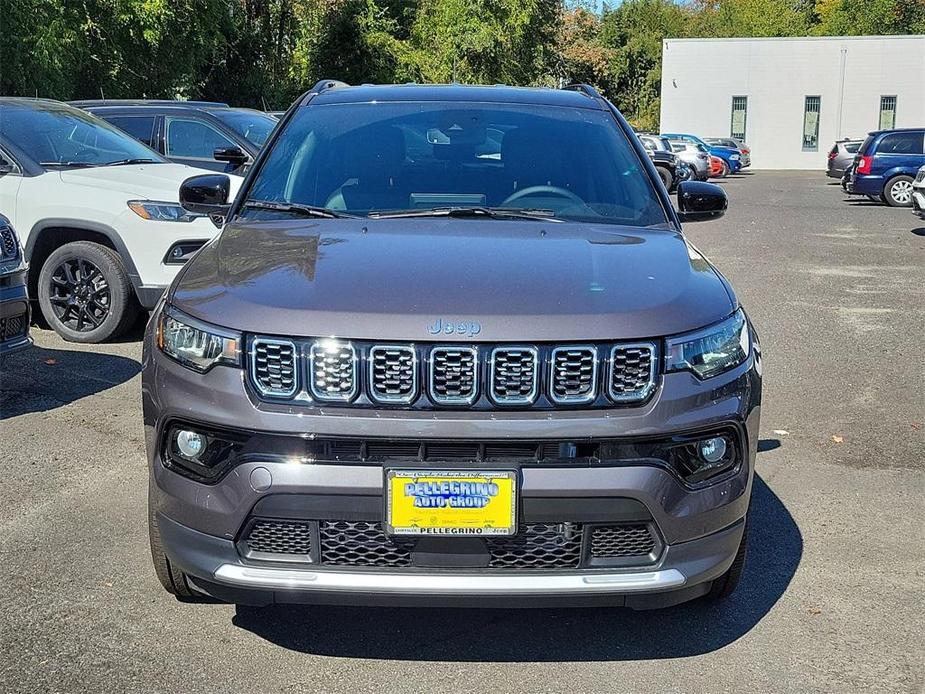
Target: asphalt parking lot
[{"x": 832, "y": 597}]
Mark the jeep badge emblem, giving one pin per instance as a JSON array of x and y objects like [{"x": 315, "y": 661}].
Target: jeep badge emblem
[{"x": 458, "y": 327}]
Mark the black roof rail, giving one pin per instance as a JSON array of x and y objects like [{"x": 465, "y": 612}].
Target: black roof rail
[
  {"x": 321, "y": 85},
  {"x": 586, "y": 89}
]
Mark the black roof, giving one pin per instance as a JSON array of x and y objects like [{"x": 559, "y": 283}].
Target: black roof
[{"x": 340, "y": 93}]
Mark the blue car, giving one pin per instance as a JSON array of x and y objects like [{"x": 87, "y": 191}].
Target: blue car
[
  {"x": 732, "y": 158},
  {"x": 886, "y": 164}
]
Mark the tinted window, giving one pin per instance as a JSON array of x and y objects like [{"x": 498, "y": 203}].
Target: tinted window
[
  {"x": 193, "y": 138},
  {"x": 253, "y": 126},
  {"x": 901, "y": 143},
  {"x": 139, "y": 127},
  {"x": 65, "y": 136},
  {"x": 852, "y": 147},
  {"x": 399, "y": 156}
]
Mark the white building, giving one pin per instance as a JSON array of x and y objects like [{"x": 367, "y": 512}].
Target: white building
[{"x": 791, "y": 98}]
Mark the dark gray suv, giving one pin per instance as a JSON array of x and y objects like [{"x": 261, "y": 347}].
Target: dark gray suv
[{"x": 451, "y": 347}]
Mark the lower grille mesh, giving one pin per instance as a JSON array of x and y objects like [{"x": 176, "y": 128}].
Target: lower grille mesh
[
  {"x": 14, "y": 326},
  {"x": 365, "y": 544},
  {"x": 621, "y": 541}
]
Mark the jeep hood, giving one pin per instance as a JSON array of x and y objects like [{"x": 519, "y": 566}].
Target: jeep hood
[
  {"x": 393, "y": 279},
  {"x": 143, "y": 181}
]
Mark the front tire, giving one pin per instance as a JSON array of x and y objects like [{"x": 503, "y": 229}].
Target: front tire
[
  {"x": 85, "y": 294},
  {"x": 898, "y": 192},
  {"x": 665, "y": 176},
  {"x": 173, "y": 580},
  {"x": 725, "y": 169},
  {"x": 725, "y": 585}
]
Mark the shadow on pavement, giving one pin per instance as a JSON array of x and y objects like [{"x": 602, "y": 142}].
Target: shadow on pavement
[
  {"x": 39, "y": 379},
  {"x": 560, "y": 635}
]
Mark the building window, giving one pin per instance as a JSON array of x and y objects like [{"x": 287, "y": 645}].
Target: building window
[
  {"x": 739, "y": 112},
  {"x": 811, "y": 123},
  {"x": 887, "y": 112}
]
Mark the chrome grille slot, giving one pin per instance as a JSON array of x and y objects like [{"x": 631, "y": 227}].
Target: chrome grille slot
[
  {"x": 574, "y": 374},
  {"x": 273, "y": 367},
  {"x": 333, "y": 371},
  {"x": 393, "y": 373},
  {"x": 513, "y": 375},
  {"x": 454, "y": 375},
  {"x": 632, "y": 372},
  {"x": 621, "y": 541}
]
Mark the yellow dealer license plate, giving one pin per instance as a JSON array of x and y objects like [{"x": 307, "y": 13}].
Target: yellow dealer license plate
[{"x": 451, "y": 502}]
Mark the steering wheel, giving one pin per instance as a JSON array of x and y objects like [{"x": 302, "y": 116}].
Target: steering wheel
[{"x": 537, "y": 191}]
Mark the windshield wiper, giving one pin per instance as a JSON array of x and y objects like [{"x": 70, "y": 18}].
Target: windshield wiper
[
  {"x": 490, "y": 212},
  {"x": 122, "y": 162},
  {"x": 68, "y": 164},
  {"x": 296, "y": 208}
]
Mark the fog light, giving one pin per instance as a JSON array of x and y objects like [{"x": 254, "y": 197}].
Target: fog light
[
  {"x": 190, "y": 444},
  {"x": 713, "y": 450}
]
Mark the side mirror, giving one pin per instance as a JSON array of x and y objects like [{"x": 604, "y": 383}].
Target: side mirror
[
  {"x": 700, "y": 202},
  {"x": 206, "y": 194},
  {"x": 233, "y": 155}
]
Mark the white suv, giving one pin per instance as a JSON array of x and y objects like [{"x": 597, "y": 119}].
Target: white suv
[{"x": 98, "y": 215}]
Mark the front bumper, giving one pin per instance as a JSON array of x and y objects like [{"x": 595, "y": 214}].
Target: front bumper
[{"x": 202, "y": 525}]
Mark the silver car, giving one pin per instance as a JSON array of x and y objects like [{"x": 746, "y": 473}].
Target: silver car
[
  {"x": 841, "y": 156},
  {"x": 696, "y": 156}
]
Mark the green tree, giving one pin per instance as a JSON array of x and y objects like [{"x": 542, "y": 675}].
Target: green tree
[
  {"x": 634, "y": 32},
  {"x": 869, "y": 17}
]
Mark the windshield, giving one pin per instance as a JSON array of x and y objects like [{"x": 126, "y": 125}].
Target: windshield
[
  {"x": 356, "y": 159},
  {"x": 70, "y": 137},
  {"x": 253, "y": 126}
]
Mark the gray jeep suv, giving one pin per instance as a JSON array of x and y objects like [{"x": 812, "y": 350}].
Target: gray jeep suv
[{"x": 450, "y": 347}]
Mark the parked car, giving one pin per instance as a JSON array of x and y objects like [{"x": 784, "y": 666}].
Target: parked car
[
  {"x": 918, "y": 193},
  {"x": 841, "y": 156},
  {"x": 207, "y": 135},
  {"x": 478, "y": 434},
  {"x": 886, "y": 165},
  {"x": 732, "y": 158},
  {"x": 696, "y": 156},
  {"x": 14, "y": 300},
  {"x": 98, "y": 214},
  {"x": 666, "y": 163},
  {"x": 733, "y": 143}
]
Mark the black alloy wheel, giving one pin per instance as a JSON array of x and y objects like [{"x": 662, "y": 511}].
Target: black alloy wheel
[{"x": 79, "y": 295}]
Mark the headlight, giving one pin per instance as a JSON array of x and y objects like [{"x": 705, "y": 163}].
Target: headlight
[
  {"x": 734, "y": 157},
  {"x": 711, "y": 351},
  {"x": 161, "y": 211},
  {"x": 196, "y": 345}
]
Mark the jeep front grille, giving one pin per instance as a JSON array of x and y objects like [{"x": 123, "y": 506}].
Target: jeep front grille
[
  {"x": 622, "y": 541},
  {"x": 359, "y": 374}
]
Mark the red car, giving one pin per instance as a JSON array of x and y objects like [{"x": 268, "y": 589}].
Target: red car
[{"x": 717, "y": 169}]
